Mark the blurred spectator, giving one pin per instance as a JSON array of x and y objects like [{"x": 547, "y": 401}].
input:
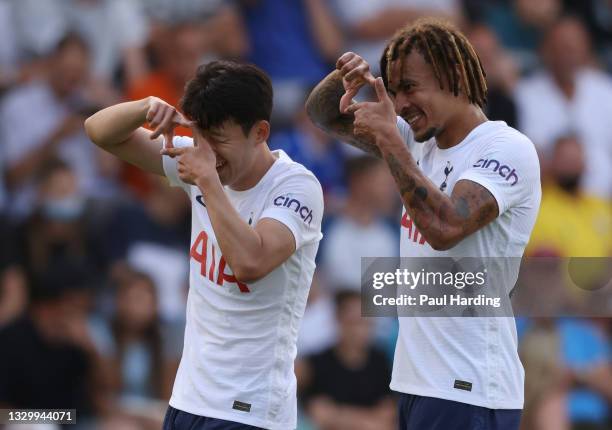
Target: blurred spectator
[
  {"x": 571, "y": 222},
  {"x": 179, "y": 53},
  {"x": 59, "y": 227},
  {"x": 360, "y": 231},
  {"x": 369, "y": 24},
  {"x": 115, "y": 30},
  {"x": 521, "y": 24},
  {"x": 178, "y": 57},
  {"x": 546, "y": 379},
  {"x": 9, "y": 61},
  {"x": 13, "y": 294},
  {"x": 3, "y": 196},
  {"x": 152, "y": 236},
  {"x": 567, "y": 374},
  {"x": 347, "y": 386},
  {"x": 44, "y": 119},
  {"x": 318, "y": 327},
  {"x": 597, "y": 15},
  {"x": 294, "y": 42},
  {"x": 144, "y": 361},
  {"x": 570, "y": 97},
  {"x": 221, "y": 31},
  {"x": 585, "y": 350},
  {"x": 501, "y": 74},
  {"x": 318, "y": 152},
  {"x": 49, "y": 359}
]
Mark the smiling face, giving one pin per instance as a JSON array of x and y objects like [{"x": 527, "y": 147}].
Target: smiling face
[
  {"x": 236, "y": 151},
  {"x": 417, "y": 96}
]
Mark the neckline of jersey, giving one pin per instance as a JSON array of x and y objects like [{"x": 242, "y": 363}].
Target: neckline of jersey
[
  {"x": 475, "y": 132},
  {"x": 281, "y": 157}
]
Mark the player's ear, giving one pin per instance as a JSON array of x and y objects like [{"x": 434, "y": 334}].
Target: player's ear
[{"x": 260, "y": 131}]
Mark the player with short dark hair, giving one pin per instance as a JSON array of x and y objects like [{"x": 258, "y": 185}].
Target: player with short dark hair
[
  {"x": 256, "y": 225},
  {"x": 470, "y": 188}
]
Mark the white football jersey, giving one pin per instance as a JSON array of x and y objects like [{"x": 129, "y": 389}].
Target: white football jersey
[
  {"x": 240, "y": 339},
  {"x": 471, "y": 360}
]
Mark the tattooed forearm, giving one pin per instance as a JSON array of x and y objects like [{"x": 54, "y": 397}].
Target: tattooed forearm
[
  {"x": 323, "y": 108},
  {"x": 441, "y": 219},
  {"x": 405, "y": 182},
  {"x": 323, "y": 102}
]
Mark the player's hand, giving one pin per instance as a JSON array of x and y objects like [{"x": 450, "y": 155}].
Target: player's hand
[
  {"x": 374, "y": 118},
  {"x": 163, "y": 119},
  {"x": 195, "y": 165},
  {"x": 355, "y": 72}
]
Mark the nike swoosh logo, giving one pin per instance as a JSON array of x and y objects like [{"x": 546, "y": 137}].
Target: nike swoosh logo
[{"x": 200, "y": 201}]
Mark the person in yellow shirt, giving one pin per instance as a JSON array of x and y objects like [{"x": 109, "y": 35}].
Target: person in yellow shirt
[{"x": 571, "y": 223}]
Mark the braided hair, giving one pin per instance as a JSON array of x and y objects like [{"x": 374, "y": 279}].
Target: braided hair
[{"x": 447, "y": 50}]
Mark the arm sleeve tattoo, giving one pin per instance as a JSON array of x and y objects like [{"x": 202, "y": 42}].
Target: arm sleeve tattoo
[{"x": 323, "y": 109}]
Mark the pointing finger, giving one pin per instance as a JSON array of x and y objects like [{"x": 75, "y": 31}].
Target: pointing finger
[
  {"x": 355, "y": 107},
  {"x": 173, "y": 152},
  {"x": 181, "y": 120},
  {"x": 381, "y": 91},
  {"x": 370, "y": 79},
  {"x": 163, "y": 125}
]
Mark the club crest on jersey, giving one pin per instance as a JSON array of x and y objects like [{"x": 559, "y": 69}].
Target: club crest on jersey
[
  {"x": 294, "y": 204},
  {"x": 504, "y": 170},
  {"x": 447, "y": 171}
]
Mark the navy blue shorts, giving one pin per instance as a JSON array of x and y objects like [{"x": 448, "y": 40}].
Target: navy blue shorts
[
  {"x": 178, "y": 420},
  {"x": 428, "y": 413}
]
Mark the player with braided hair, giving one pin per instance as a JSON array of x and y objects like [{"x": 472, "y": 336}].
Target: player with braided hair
[{"x": 470, "y": 188}]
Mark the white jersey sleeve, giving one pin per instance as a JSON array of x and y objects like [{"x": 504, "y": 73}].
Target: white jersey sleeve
[
  {"x": 169, "y": 163},
  {"x": 405, "y": 131},
  {"x": 508, "y": 167},
  {"x": 297, "y": 202}
]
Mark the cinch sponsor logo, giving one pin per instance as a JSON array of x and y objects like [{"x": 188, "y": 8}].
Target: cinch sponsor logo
[
  {"x": 504, "y": 170},
  {"x": 303, "y": 211}
]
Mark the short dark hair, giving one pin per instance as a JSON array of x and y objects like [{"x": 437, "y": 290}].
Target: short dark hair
[
  {"x": 449, "y": 52},
  {"x": 224, "y": 90},
  {"x": 50, "y": 168},
  {"x": 70, "y": 39},
  {"x": 342, "y": 296}
]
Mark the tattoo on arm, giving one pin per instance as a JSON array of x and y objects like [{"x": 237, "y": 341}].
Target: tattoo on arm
[
  {"x": 443, "y": 220},
  {"x": 474, "y": 204},
  {"x": 323, "y": 109}
]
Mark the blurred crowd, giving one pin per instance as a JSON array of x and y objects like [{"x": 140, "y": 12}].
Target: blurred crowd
[{"x": 94, "y": 253}]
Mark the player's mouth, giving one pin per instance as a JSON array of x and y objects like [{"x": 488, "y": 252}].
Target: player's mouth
[
  {"x": 220, "y": 163},
  {"x": 414, "y": 118}
]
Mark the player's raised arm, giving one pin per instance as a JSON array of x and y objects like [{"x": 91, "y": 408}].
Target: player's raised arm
[
  {"x": 328, "y": 100},
  {"x": 118, "y": 130}
]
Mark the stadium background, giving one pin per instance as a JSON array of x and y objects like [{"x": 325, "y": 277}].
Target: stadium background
[{"x": 94, "y": 254}]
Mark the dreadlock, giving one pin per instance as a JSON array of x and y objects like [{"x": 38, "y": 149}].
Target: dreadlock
[{"x": 450, "y": 54}]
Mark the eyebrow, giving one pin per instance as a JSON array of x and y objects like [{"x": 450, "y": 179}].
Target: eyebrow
[{"x": 406, "y": 83}]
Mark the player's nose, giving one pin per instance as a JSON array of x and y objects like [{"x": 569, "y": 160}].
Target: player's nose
[{"x": 401, "y": 103}]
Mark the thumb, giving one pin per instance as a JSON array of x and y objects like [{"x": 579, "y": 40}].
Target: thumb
[
  {"x": 168, "y": 137},
  {"x": 370, "y": 79},
  {"x": 347, "y": 99},
  {"x": 381, "y": 91}
]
